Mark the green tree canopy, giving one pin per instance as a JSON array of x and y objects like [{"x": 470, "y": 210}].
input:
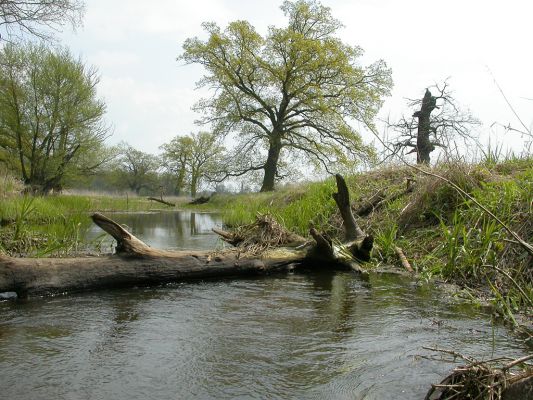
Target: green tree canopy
[
  {"x": 299, "y": 90},
  {"x": 136, "y": 169},
  {"x": 192, "y": 158},
  {"x": 51, "y": 121}
]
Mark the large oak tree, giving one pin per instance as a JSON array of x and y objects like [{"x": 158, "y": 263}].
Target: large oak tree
[{"x": 298, "y": 90}]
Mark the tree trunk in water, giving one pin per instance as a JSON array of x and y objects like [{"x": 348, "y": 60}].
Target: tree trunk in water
[
  {"x": 423, "y": 142},
  {"x": 271, "y": 165},
  {"x": 136, "y": 263}
]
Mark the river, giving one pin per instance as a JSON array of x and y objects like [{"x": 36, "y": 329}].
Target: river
[{"x": 298, "y": 336}]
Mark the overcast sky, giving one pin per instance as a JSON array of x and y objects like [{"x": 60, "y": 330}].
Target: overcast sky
[{"x": 149, "y": 94}]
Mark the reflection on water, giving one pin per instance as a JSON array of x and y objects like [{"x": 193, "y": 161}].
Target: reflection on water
[
  {"x": 312, "y": 336},
  {"x": 166, "y": 230}
]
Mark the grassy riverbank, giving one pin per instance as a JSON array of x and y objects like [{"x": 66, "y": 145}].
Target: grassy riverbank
[
  {"x": 443, "y": 234},
  {"x": 54, "y": 225}
]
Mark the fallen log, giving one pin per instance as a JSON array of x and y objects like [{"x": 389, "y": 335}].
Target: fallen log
[
  {"x": 371, "y": 204},
  {"x": 162, "y": 201},
  {"x": 379, "y": 199},
  {"x": 200, "y": 200},
  {"x": 135, "y": 263}
]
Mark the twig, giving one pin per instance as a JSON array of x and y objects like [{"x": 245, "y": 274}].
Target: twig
[
  {"x": 451, "y": 352},
  {"x": 403, "y": 259},
  {"x": 516, "y": 362},
  {"x": 527, "y": 130}
]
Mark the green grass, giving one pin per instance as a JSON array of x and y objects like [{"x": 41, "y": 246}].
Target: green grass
[
  {"x": 50, "y": 208},
  {"x": 55, "y": 225},
  {"x": 295, "y": 207}
]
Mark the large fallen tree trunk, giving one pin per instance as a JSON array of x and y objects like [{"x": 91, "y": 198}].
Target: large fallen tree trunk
[{"x": 136, "y": 263}]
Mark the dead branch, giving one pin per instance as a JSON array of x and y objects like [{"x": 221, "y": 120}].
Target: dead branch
[
  {"x": 403, "y": 259},
  {"x": 162, "y": 201}
]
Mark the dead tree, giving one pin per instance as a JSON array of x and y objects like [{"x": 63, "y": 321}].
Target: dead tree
[
  {"x": 435, "y": 124},
  {"x": 135, "y": 263}
]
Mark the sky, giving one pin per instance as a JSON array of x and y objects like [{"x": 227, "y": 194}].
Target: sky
[{"x": 149, "y": 94}]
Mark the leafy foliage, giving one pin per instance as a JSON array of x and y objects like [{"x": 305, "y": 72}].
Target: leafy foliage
[
  {"x": 136, "y": 168},
  {"x": 192, "y": 159},
  {"x": 51, "y": 121},
  {"x": 297, "y": 90}
]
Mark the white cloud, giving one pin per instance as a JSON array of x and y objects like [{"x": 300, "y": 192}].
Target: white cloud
[{"x": 134, "y": 44}]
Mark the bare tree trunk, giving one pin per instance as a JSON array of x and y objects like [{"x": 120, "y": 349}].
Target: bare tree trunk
[
  {"x": 423, "y": 142},
  {"x": 194, "y": 183},
  {"x": 162, "y": 201},
  {"x": 180, "y": 181}
]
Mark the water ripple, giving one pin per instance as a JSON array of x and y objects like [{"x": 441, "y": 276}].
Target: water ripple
[{"x": 302, "y": 336}]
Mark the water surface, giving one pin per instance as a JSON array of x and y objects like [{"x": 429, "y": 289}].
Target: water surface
[
  {"x": 298, "y": 336},
  {"x": 182, "y": 230}
]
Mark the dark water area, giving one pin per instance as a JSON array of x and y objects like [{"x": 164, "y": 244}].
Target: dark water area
[{"x": 324, "y": 335}]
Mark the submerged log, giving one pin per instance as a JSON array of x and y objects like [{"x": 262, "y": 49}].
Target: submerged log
[{"x": 135, "y": 263}]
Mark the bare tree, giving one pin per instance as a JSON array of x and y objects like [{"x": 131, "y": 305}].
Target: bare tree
[
  {"x": 435, "y": 124},
  {"x": 38, "y": 18}
]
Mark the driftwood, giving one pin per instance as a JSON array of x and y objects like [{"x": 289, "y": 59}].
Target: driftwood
[
  {"x": 379, "y": 199},
  {"x": 264, "y": 233},
  {"x": 371, "y": 204},
  {"x": 162, "y": 201},
  {"x": 200, "y": 200},
  {"x": 490, "y": 379},
  {"x": 136, "y": 263},
  {"x": 403, "y": 259}
]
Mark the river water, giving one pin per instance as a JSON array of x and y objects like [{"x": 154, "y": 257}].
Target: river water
[{"x": 297, "y": 336}]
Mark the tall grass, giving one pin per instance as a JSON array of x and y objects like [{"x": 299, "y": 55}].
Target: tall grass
[
  {"x": 55, "y": 225},
  {"x": 473, "y": 249},
  {"x": 9, "y": 184},
  {"x": 294, "y": 207}
]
